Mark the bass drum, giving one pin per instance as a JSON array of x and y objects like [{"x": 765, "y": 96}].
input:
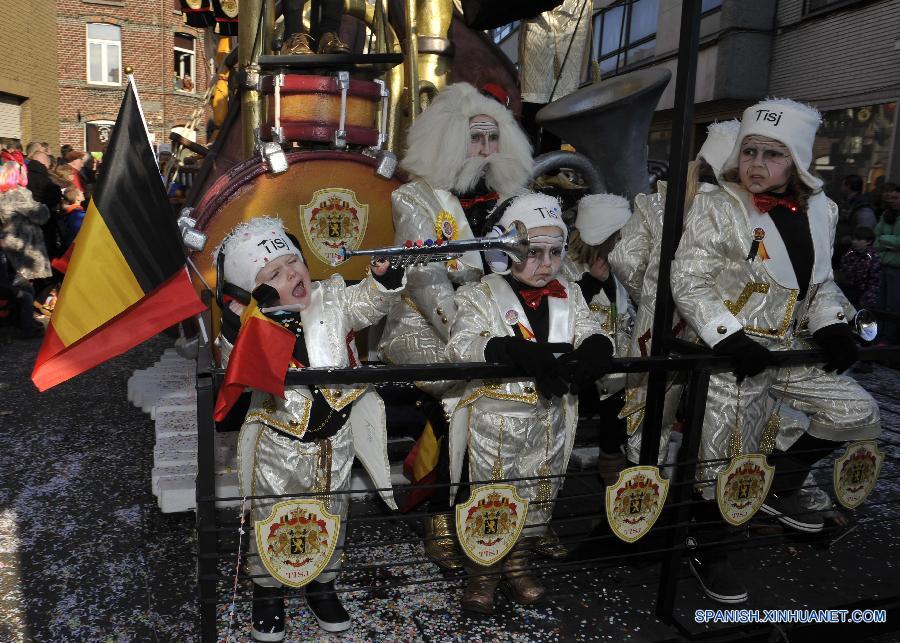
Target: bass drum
[{"x": 326, "y": 199}]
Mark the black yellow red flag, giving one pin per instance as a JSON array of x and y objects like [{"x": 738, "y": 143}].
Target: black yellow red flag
[
  {"x": 259, "y": 360},
  {"x": 126, "y": 280}
]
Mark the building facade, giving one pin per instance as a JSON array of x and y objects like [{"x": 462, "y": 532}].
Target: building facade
[
  {"x": 842, "y": 56},
  {"x": 98, "y": 39},
  {"x": 29, "y": 94}
]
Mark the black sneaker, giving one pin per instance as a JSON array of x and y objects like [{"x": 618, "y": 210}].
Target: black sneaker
[
  {"x": 268, "y": 613},
  {"x": 788, "y": 510},
  {"x": 326, "y": 607},
  {"x": 716, "y": 576}
]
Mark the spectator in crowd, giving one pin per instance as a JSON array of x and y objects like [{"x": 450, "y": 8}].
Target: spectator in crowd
[
  {"x": 887, "y": 243},
  {"x": 62, "y": 176},
  {"x": 45, "y": 191},
  {"x": 31, "y": 149},
  {"x": 15, "y": 289},
  {"x": 862, "y": 266},
  {"x": 73, "y": 214},
  {"x": 76, "y": 160},
  {"x": 63, "y": 151},
  {"x": 12, "y": 151},
  {"x": 860, "y": 211},
  {"x": 46, "y": 149},
  {"x": 862, "y": 269},
  {"x": 21, "y": 218}
]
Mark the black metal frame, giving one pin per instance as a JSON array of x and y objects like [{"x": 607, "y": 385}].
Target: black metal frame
[{"x": 667, "y": 356}]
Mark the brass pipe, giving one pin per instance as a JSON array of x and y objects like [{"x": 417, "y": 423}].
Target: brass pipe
[
  {"x": 412, "y": 59},
  {"x": 250, "y": 46}
]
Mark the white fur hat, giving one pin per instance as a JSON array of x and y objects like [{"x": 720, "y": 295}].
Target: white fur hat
[
  {"x": 250, "y": 246},
  {"x": 719, "y": 143},
  {"x": 535, "y": 210},
  {"x": 600, "y": 216},
  {"x": 788, "y": 122}
]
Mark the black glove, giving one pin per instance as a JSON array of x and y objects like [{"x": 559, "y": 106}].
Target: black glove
[
  {"x": 590, "y": 361},
  {"x": 265, "y": 296},
  {"x": 749, "y": 357},
  {"x": 839, "y": 344},
  {"x": 392, "y": 279},
  {"x": 536, "y": 359}
]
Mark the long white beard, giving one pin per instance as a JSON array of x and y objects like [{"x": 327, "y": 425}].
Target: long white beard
[{"x": 492, "y": 168}]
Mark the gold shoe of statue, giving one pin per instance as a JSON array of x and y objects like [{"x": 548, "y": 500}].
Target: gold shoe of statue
[
  {"x": 519, "y": 582},
  {"x": 481, "y": 585},
  {"x": 299, "y": 44},
  {"x": 329, "y": 43},
  {"x": 440, "y": 542}
]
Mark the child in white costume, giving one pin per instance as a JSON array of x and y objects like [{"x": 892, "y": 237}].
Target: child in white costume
[
  {"x": 523, "y": 428},
  {"x": 635, "y": 262},
  {"x": 595, "y": 234},
  {"x": 309, "y": 438},
  {"x": 752, "y": 276}
]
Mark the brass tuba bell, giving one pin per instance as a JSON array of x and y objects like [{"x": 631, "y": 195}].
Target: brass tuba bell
[{"x": 609, "y": 122}]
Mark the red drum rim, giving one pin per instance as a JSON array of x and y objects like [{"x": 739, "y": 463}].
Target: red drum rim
[
  {"x": 317, "y": 132},
  {"x": 224, "y": 187},
  {"x": 306, "y": 84}
]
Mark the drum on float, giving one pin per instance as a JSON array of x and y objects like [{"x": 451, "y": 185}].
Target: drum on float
[{"x": 335, "y": 191}]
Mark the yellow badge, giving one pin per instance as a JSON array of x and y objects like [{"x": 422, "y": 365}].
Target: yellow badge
[
  {"x": 856, "y": 472},
  {"x": 333, "y": 219},
  {"x": 742, "y": 487},
  {"x": 489, "y": 523},
  {"x": 297, "y": 540},
  {"x": 635, "y": 501},
  {"x": 445, "y": 226}
]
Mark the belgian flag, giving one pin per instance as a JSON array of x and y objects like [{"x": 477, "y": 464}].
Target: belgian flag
[
  {"x": 260, "y": 359},
  {"x": 126, "y": 280}
]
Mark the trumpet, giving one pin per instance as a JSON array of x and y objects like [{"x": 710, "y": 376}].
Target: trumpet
[{"x": 513, "y": 242}]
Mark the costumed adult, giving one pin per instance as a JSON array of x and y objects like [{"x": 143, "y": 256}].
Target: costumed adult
[
  {"x": 523, "y": 431},
  {"x": 752, "y": 275},
  {"x": 307, "y": 440},
  {"x": 465, "y": 152},
  {"x": 595, "y": 234},
  {"x": 635, "y": 262}
]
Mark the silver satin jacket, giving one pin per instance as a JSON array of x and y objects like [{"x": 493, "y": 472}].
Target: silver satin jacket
[
  {"x": 418, "y": 325},
  {"x": 335, "y": 312},
  {"x": 486, "y": 309},
  {"x": 719, "y": 291}
]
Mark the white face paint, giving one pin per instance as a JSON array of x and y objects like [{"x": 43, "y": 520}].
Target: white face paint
[
  {"x": 765, "y": 164},
  {"x": 545, "y": 252},
  {"x": 484, "y": 136}
]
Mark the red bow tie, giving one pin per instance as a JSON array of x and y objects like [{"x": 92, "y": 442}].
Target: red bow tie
[
  {"x": 468, "y": 202},
  {"x": 767, "y": 202},
  {"x": 533, "y": 296}
]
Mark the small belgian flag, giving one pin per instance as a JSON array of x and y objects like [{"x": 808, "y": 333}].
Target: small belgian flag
[{"x": 127, "y": 279}]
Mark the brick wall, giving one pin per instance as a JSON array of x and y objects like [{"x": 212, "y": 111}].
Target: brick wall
[
  {"x": 147, "y": 45},
  {"x": 28, "y": 70}
]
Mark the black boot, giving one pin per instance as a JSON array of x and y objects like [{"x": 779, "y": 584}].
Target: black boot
[
  {"x": 791, "y": 468},
  {"x": 326, "y": 607},
  {"x": 710, "y": 565},
  {"x": 268, "y": 613}
]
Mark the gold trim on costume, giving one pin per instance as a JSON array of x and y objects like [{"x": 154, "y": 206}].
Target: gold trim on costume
[
  {"x": 753, "y": 287},
  {"x": 338, "y": 399},
  {"x": 295, "y": 428},
  {"x": 763, "y": 288},
  {"x": 494, "y": 391}
]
